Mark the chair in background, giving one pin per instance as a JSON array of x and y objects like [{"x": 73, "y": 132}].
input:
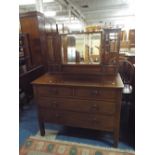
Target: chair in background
[
  {"x": 127, "y": 119},
  {"x": 127, "y": 73}
]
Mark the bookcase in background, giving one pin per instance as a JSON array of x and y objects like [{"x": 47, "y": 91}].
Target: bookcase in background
[
  {"x": 111, "y": 40},
  {"x": 24, "y": 53}
]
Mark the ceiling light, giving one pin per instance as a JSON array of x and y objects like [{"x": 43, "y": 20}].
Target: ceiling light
[
  {"x": 29, "y": 2},
  {"x": 50, "y": 13},
  {"x": 26, "y": 2},
  {"x": 46, "y": 1},
  {"x": 75, "y": 26},
  {"x": 84, "y": 6}
]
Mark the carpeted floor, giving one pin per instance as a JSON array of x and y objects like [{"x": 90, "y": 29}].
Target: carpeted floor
[
  {"x": 29, "y": 127},
  {"x": 38, "y": 146}
]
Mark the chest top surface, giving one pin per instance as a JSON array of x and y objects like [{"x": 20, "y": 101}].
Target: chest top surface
[{"x": 84, "y": 81}]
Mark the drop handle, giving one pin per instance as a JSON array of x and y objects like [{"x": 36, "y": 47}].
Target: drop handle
[
  {"x": 94, "y": 107},
  {"x": 55, "y": 104},
  {"x": 94, "y": 92},
  {"x": 55, "y": 91},
  {"x": 94, "y": 121},
  {"x": 58, "y": 116}
]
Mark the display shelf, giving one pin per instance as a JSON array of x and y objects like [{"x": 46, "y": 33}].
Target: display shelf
[
  {"x": 111, "y": 45},
  {"x": 24, "y": 53}
]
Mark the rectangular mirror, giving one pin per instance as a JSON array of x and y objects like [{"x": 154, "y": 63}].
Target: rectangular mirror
[{"x": 81, "y": 48}]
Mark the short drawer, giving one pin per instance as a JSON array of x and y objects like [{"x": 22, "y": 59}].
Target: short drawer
[
  {"x": 96, "y": 93},
  {"x": 54, "y": 91},
  {"x": 89, "y": 106},
  {"x": 83, "y": 120}
]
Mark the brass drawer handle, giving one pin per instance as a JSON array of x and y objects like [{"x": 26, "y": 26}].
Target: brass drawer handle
[
  {"x": 55, "y": 91},
  {"x": 58, "y": 116},
  {"x": 94, "y": 121},
  {"x": 54, "y": 104},
  {"x": 94, "y": 92},
  {"x": 94, "y": 107}
]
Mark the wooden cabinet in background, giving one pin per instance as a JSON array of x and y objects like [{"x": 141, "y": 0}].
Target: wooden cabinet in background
[
  {"x": 33, "y": 23},
  {"x": 24, "y": 53},
  {"x": 132, "y": 38},
  {"x": 32, "y": 29},
  {"x": 111, "y": 46},
  {"x": 53, "y": 52},
  {"x": 111, "y": 40},
  {"x": 27, "y": 72}
]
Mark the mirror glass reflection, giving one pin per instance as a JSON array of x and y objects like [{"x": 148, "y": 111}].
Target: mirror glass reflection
[{"x": 81, "y": 48}]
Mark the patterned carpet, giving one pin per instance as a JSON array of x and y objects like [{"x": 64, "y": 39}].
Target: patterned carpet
[
  {"x": 29, "y": 127},
  {"x": 39, "y": 146}
]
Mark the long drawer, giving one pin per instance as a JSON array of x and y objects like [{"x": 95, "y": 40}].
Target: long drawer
[
  {"x": 76, "y": 119},
  {"x": 77, "y": 92},
  {"x": 96, "y": 93},
  {"x": 54, "y": 91},
  {"x": 89, "y": 106}
]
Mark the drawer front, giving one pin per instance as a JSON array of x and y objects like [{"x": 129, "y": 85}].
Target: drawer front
[
  {"x": 100, "y": 122},
  {"x": 96, "y": 93},
  {"x": 54, "y": 91},
  {"x": 89, "y": 106}
]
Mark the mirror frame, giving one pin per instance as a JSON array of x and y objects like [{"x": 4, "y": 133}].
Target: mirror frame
[{"x": 78, "y": 63}]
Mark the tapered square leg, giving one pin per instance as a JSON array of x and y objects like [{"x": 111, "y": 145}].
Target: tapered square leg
[
  {"x": 116, "y": 139},
  {"x": 42, "y": 128}
]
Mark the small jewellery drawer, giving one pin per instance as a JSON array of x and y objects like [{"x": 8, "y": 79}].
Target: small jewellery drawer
[
  {"x": 54, "y": 91},
  {"x": 78, "y": 119},
  {"x": 97, "y": 93},
  {"x": 89, "y": 106}
]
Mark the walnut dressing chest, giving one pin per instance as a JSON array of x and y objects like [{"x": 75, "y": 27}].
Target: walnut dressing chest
[
  {"x": 82, "y": 87},
  {"x": 87, "y": 102}
]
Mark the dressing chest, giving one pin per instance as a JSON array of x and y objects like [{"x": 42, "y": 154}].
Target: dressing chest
[{"x": 78, "y": 94}]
